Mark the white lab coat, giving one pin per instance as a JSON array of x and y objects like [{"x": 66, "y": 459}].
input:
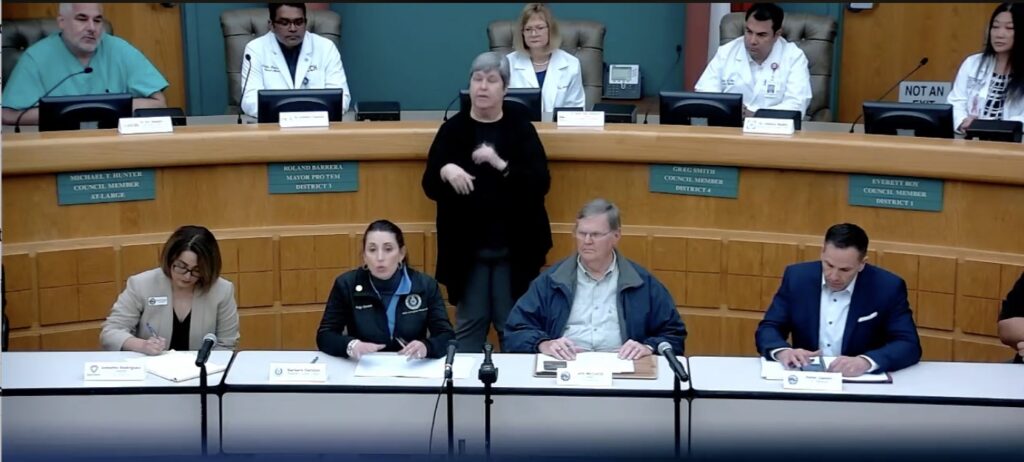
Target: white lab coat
[
  {"x": 970, "y": 91},
  {"x": 563, "y": 83},
  {"x": 732, "y": 71},
  {"x": 319, "y": 67}
]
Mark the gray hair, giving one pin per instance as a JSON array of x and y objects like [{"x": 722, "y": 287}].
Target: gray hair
[
  {"x": 64, "y": 9},
  {"x": 491, "y": 61},
  {"x": 601, "y": 206}
]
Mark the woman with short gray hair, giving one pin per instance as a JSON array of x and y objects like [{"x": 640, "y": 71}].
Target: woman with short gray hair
[{"x": 488, "y": 173}]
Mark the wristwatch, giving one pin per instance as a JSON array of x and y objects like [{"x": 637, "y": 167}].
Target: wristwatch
[{"x": 350, "y": 350}]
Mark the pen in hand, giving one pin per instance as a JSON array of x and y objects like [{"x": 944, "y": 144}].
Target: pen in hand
[{"x": 315, "y": 359}]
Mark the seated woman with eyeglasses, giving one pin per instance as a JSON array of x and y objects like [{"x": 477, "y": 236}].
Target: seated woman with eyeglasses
[
  {"x": 176, "y": 305},
  {"x": 537, "y": 62}
]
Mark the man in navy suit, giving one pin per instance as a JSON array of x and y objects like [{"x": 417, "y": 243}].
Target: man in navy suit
[{"x": 841, "y": 307}]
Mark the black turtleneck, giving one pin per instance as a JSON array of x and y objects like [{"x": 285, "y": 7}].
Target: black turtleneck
[
  {"x": 387, "y": 287},
  {"x": 291, "y": 56}
]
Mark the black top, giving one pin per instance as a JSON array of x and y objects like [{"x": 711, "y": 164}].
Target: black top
[
  {"x": 179, "y": 332},
  {"x": 502, "y": 209},
  {"x": 291, "y": 56},
  {"x": 354, "y": 311},
  {"x": 1013, "y": 306}
]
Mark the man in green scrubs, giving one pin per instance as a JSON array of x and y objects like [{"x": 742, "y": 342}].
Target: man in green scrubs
[{"x": 117, "y": 67}]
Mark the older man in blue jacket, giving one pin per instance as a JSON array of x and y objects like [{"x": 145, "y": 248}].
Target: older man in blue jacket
[{"x": 596, "y": 300}]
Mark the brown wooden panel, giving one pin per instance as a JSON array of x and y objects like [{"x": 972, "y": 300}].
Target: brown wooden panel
[
  {"x": 743, "y": 292},
  {"x": 255, "y": 255},
  {"x": 228, "y": 255},
  {"x": 811, "y": 253},
  {"x": 743, "y": 258},
  {"x": 634, "y": 248},
  {"x": 325, "y": 281},
  {"x": 17, "y": 272},
  {"x": 776, "y": 257},
  {"x": 138, "y": 258},
  {"x": 335, "y": 251},
  {"x": 24, "y": 342},
  {"x": 562, "y": 245},
  {"x": 934, "y": 310},
  {"x": 84, "y": 339},
  {"x": 259, "y": 331},
  {"x": 57, "y": 269},
  {"x": 297, "y": 252},
  {"x": 936, "y": 274},
  {"x": 871, "y": 64},
  {"x": 298, "y": 329},
  {"x": 58, "y": 305},
  {"x": 978, "y": 279},
  {"x": 255, "y": 289},
  {"x": 414, "y": 249},
  {"x": 703, "y": 290},
  {"x": 95, "y": 300},
  {"x": 936, "y": 348},
  {"x": 669, "y": 253},
  {"x": 977, "y": 315},
  {"x": 298, "y": 287},
  {"x": 95, "y": 265},
  {"x": 704, "y": 255},
  {"x": 675, "y": 282},
  {"x": 904, "y": 265},
  {"x": 703, "y": 334},
  {"x": 738, "y": 336},
  {"x": 969, "y": 350},
  {"x": 1009, "y": 276},
  {"x": 769, "y": 286},
  {"x": 912, "y": 299},
  {"x": 21, "y": 312}
]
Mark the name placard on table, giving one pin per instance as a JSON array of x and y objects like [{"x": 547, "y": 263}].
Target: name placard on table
[
  {"x": 105, "y": 186},
  {"x": 896, "y": 192},
  {"x": 695, "y": 180},
  {"x": 312, "y": 177}
]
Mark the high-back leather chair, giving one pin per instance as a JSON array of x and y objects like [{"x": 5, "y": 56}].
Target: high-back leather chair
[
  {"x": 243, "y": 25},
  {"x": 815, "y": 35},
  {"x": 582, "y": 39},
  {"x": 19, "y": 34}
]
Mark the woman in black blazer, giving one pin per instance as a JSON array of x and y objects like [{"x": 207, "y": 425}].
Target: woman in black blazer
[{"x": 384, "y": 305}]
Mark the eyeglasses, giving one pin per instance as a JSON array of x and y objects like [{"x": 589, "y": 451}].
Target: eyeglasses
[
  {"x": 535, "y": 30},
  {"x": 299, "y": 22},
  {"x": 182, "y": 269},
  {"x": 581, "y": 235}
]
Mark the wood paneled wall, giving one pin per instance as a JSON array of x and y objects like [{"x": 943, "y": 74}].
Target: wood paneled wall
[
  {"x": 152, "y": 28},
  {"x": 882, "y": 44}
]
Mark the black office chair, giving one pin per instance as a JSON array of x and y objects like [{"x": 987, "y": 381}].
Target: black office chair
[{"x": 176, "y": 114}]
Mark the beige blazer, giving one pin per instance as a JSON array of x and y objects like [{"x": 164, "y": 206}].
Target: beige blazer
[{"x": 147, "y": 299}]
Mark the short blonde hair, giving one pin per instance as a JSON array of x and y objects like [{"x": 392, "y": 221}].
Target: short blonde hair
[{"x": 540, "y": 9}]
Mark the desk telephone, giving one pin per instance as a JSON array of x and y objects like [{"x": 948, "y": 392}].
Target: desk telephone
[{"x": 622, "y": 81}]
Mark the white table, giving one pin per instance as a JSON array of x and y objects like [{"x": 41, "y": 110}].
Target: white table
[
  {"x": 48, "y": 408},
  {"x": 365, "y": 415},
  {"x": 932, "y": 406}
]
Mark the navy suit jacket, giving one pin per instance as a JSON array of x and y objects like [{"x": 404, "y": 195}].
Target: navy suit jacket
[{"x": 879, "y": 325}]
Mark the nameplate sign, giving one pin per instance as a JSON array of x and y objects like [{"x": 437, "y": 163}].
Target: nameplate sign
[
  {"x": 575, "y": 377},
  {"x": 105, "y": 186},
  {"x": 312, "y": 177},
  {"x": 695, "y": 180},
  {"x": 298, "y": 372},
  {"x": 107, "y": 371},
  {"x": 768, "y": 126},
  {"x": 896, "y": 192},
  {"x": 312, "y": 119},
  {"x": 589, "y": 119},
  {"x": 142, "y": 125},
  {"x": 816, "y": 381},
  {"x": 924, "y": 92}
]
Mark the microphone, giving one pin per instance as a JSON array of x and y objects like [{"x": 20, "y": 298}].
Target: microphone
[
  {"x": 245, "y": 82},
  {"x": 488, "y": 373},
  {"x": 204, "y": 351},
  {"x": 665, "y": 349},
  {"x": 679, "y": 52},
  {"x": 17, "y": 122},
  {"x": 448, "y": 360},
  {"x": 898, "y": 82},
  {"x": 456, "y": 98}
]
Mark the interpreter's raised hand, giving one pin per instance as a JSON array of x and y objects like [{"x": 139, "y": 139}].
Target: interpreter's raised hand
[{"x": 461, "y": 181}]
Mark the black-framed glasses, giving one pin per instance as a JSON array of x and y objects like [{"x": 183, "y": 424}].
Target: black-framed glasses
[
  {"x": 284, "y": 22},
  {"x": 182, "y": 269}
]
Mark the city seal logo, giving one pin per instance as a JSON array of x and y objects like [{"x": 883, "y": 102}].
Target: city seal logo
[
  {"x": 565, "y": 376},
  {"x": 278, "y": 371},
  {"x": 413, "y": 302},
  {"x": 152, "y": 300},
  {"x": 94, "y": 368},
  {"x": 792, "y": 379}
]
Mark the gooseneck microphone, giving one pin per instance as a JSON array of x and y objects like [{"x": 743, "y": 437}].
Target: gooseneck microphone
[
  {"x": 679, "y": 53},
  {"x": 248, "y": 60},
  {"x": 450, "y": 359},
  {"x": 204, "y": 351},
  {"x": 898, "y": 82},
  {"x": 665, "y": 349},
  {"x": 17, "y": 122},
  {"x": 456, "y": 98}
]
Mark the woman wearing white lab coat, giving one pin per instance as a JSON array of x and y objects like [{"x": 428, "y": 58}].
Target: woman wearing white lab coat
[
  {"x": 990, "y": 84},
  {"x": 539, "y": 63},
  {"x": 319, "y": 67}
]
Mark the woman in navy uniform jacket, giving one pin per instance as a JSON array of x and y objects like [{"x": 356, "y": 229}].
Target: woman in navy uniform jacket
[{"x": 384, "y": 305}]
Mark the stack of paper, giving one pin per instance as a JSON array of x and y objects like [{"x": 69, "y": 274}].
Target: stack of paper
[
  {"x": 587, "y": 360},
  {"x": 773, "y": 370},
  {"x": 177, "y": 366},
  {"x": 394, "y": 365}
]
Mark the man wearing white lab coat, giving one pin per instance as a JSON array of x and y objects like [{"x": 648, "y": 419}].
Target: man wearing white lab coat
[
  {"x": 288, "y": 58},
  {"x": 770, "y": 72}
]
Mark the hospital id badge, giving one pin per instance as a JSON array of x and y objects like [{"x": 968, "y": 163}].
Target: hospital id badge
[{"x": 770, "y": 88}]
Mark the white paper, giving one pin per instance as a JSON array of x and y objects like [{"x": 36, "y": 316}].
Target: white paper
[
  {"x": 394, "y": 365},
  {"x": 815, "y": 381},
  {"x": 591, "y": 360},
  {"x": 570, "y": 376},
  {"x": 773, "y": 370},
  {"x": 298, "y": 373},
  {"x": 768, "y": 126},
  {"x": 177, "y": 366},
  {"x": 142, "y": 125},
  {"x": 580, "y": 119},
  {"x": 303, "y": 119},
  {"x": 113, "y": 370}
]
